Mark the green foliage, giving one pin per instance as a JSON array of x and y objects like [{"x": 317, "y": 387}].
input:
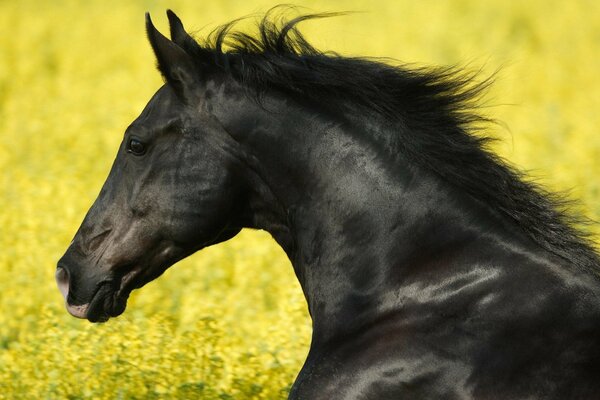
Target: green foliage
[{"x": 231, "y": 322}]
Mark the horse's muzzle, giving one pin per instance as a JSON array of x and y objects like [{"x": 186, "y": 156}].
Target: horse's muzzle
[{"x": 62, "y": 280}]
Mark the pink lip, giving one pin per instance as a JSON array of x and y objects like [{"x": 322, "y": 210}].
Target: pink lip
[{"x": 78, "y": 311}]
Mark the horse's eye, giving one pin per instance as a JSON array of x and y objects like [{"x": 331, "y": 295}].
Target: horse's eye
[{"x": 136, "y": 147}]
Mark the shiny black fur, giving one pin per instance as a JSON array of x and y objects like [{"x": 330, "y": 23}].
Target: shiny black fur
[{"x": 431, "y": 269}]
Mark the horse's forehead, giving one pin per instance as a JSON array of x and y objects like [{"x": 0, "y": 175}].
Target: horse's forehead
[{"x": 163, "y": 105}]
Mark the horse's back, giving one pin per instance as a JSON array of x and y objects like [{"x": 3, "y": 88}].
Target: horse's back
[{"x": 543, "y": 341}]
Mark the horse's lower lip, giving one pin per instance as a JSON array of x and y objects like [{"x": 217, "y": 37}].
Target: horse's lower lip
[
  {"x": 96, "y": 311},
  {"x": 111, "y": 303}
]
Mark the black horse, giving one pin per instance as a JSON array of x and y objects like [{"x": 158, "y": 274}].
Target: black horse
[{"x": 431, "y": 269}]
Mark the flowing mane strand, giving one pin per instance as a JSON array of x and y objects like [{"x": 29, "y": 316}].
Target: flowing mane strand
[{"x": 433, "y": 110}]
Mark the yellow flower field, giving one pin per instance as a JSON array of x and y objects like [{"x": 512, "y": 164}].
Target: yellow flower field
[{"x": 230, "y": 322}]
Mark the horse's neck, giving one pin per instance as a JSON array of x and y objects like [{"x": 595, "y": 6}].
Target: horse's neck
[{"x": 356, "y": 226}]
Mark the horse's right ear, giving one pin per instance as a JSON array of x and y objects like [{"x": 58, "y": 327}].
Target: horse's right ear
[
  {"x": 178, "y": 33},
  {"x": 176, "y": 66}
]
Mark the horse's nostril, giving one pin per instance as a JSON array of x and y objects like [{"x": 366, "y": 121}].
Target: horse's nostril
[
  {"x": 62, "y": 280},
  {"x": 61, "y": 274}
]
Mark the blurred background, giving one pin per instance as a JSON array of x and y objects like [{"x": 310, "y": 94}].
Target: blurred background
[{"x": 230, "y": 322}]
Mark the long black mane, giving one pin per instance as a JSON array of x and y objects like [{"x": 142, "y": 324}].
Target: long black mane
[{"x": 433, "y": 112}]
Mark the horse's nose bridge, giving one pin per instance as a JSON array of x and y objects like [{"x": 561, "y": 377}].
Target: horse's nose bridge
[
  {"x": 94, "y": 241},
  {"x": 97, "y": 227},
  {"x": 89, "y": 239},
  {"x": 101, "y": 238}
]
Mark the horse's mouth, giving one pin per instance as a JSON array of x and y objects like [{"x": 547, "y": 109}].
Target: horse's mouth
[
  {"x": 109, "y": 300},
  {"x": 104, "y": 304}
]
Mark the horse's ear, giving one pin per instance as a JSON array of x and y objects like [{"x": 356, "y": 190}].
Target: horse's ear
[
  {"x": 178, "y": 33},
  {"x": 176, "y": 66}
]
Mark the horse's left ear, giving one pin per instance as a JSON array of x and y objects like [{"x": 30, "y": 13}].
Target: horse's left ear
[{"x": 176, "y": 66}]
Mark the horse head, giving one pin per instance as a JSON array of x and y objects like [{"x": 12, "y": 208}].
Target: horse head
[{"x": 172, "y": 190}]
